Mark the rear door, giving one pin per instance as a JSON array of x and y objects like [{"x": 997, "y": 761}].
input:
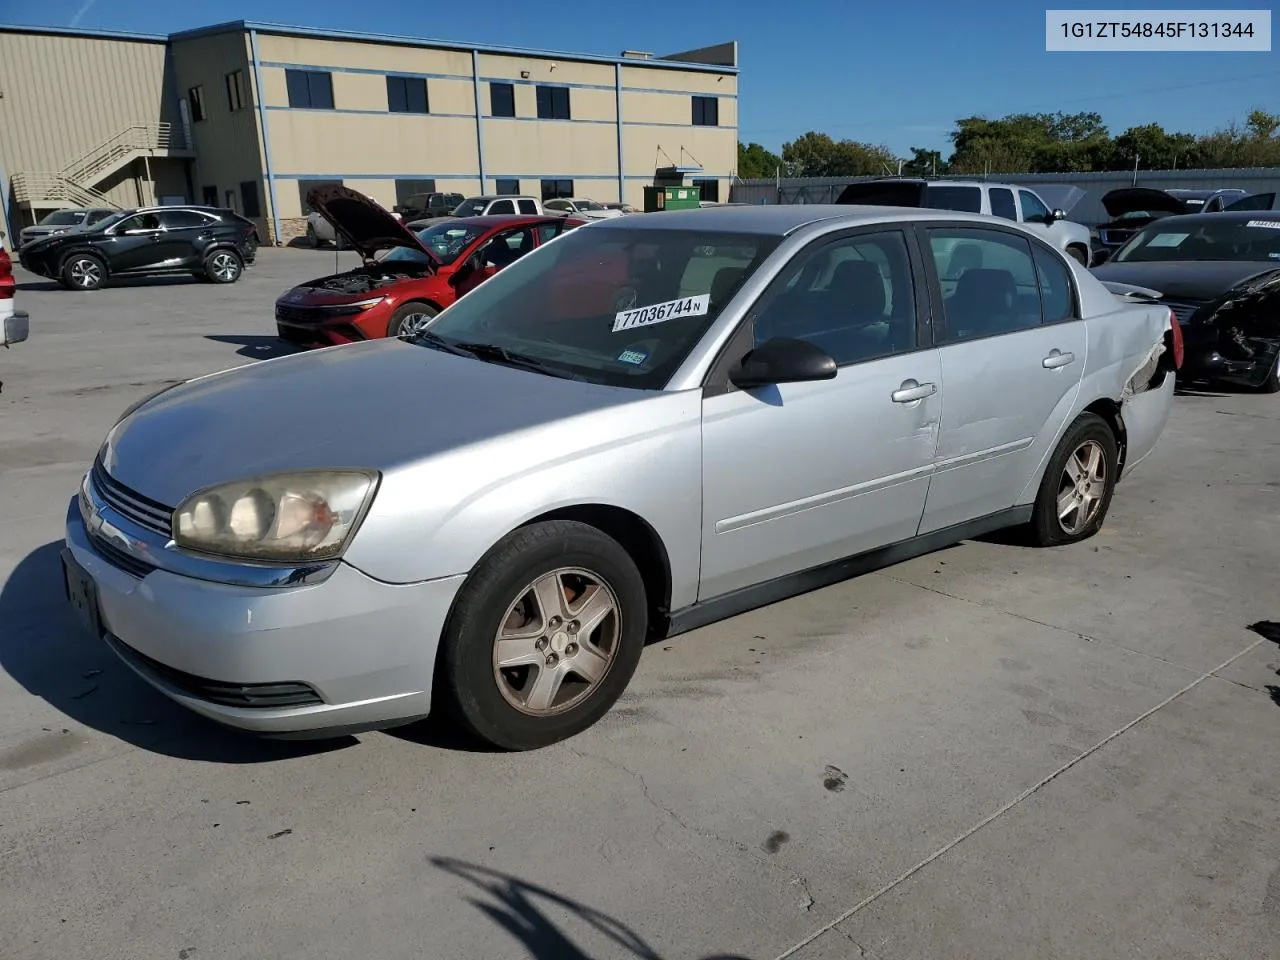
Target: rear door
[
  {"x": 133, "y": 243},
  {"x": 1012, "y": 348},
  {"x": 186, "y": 233}
]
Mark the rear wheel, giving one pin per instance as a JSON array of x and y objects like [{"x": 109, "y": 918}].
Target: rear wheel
[
  {"x": 313, "y": 241},
  {"x": 544, "y": 636},
  {"x": 410, "y": 319},
  {"x": 1076, "y": 491},
  {"x": 1272, "y": 383},
  {"x": 223, "y": 266},
  {"x": 84, "y": 271}
]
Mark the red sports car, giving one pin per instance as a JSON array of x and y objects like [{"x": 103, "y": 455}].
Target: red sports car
[{"x": 406, "y": 278}]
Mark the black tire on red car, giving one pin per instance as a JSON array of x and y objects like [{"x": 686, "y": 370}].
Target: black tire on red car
[{"x": 409, "y": 318}]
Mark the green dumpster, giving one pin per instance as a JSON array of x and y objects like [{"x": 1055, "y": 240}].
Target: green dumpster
[{"x": 671, "y": 198}]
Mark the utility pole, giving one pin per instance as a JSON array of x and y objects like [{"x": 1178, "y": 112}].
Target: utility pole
[{"x": 1135, "y": 169}]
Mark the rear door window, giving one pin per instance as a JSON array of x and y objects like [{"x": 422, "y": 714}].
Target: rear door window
[
  {"x": 528, "y": 206},
  {"x": 503, "y": 206},
  {"x": 988, "y": 280},
  {"x": 1002, "y": 204}
]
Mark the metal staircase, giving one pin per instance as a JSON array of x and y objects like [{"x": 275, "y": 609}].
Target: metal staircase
[{"x": 76, "y": 183}]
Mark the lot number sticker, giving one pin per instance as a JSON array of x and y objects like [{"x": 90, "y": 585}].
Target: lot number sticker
[
  {"x": 658, "y": 312},
  {"x": 1265, "y": 224}
]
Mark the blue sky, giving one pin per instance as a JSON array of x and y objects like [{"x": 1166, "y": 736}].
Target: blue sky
[{"x": 891, "y": 73}]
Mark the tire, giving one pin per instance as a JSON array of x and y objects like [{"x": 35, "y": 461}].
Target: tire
[
  {"x": 409, "y": 317},
  {"x": 1088, "y": 436},
  {"x": 1272, "y": 383},
  {"x": 83, "y": 271},
  {"x": 223, "y": 266},
  {"x": 511, "y": 708},
  {"x": 313, "y": 241},
  {"x": 1078, "y": 255}
]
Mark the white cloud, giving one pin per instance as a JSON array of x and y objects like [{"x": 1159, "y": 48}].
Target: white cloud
[{"x": 84, "y": 8}]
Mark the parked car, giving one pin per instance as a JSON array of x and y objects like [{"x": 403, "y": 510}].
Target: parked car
[
  {"x": 212, "y": 243},
  {"x": 624, "y": 207},
  {"x": 490, "y": 205},
  {"x": 422, "y": 205},
  {"x": 1220, "y": 274},
  {"x": 1004, "y": 200},
  {"x": 405, "y": 278},
  {"x": 1258, "y": 201},
  {"x": 587, "y": 209},
  {"x": 14, "y": 323},
  {"x": 649, "y": 424},
  {"x": 1132, "y": 208},
  {"x": 60, "y": 221},
  {"x": 415, "y": 225}
]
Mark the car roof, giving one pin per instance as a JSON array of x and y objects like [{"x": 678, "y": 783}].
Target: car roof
[
  {"x": 500, "y": 219},
  {"x": 502, "y": 196},
  {"x": 782, "y": 219}
]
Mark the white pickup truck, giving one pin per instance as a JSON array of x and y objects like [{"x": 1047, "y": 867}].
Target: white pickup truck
[{"x": 1005, "y": 200}]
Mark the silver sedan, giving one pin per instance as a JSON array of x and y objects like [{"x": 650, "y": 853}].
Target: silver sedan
[{"x": 638, "y": 429}]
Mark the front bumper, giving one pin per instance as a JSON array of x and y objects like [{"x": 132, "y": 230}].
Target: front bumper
[
  {"x": 346, "y": 653},
  {"x": 1212, "y": 358},
  {"x": 309, "y": 327}
]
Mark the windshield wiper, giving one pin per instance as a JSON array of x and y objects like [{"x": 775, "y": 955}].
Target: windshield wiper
[
  {"x": 510, "y": 358},
  {"x": 438, "y": 342}
]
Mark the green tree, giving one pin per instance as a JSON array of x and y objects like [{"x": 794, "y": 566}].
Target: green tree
[
  {"x": 818, "y": 155},
  {"x": 925, "y": 163},
  {"x": 1262, "y": 125},
  {"x": 755, "y": 162}
]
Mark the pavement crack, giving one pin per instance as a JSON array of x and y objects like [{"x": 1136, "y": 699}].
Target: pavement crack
[
  {"x": 807, "y": 901},
  {"x": 862, "y": 951}
]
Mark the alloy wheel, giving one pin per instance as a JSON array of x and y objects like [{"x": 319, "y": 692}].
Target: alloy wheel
[
  {"x": 556, "y": 642},
  {"x": 1082, "y": 487},
  {"x": 86, "y": 273},
  {"x": 224, "y": 267},
  {"x": 413, "y": 324}
]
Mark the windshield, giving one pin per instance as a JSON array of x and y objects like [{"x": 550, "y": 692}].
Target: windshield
[
  {"x": 1230, "y": 240},
  {"x": 588, "y": 205},
  {"x": 446, "y": 240},
  {"x": 469, "y": 208},
  {"x": 111, "y": 219},
  {"x": 63, "y": 218},
  {"x": 622, "y": 307}
]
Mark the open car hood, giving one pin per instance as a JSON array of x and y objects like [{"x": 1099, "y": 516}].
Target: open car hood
[
  {"x": 1130, "y": 199},
  {"x": 1059, "y": 196},
  {"x": 368, "y": 227}
]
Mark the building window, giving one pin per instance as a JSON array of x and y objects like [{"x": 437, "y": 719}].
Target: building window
[
  {"x": 407, "y": 94},
  {"x": 556, "y": 188},
  {"x": 235, "y": 90},
  {"x": 706, "y": 112},
  {"x": 195, "y": 100},
  {"x": 502, "y": 99},
  {"x": 306, "y": 186},
  {"x": 310, "y": 89},
  {"x": 507, "y": 187},
  {"x": 209, "y": 196},
  {"x": 250, "y": 205},
  {"x": 710, "y": 189},
  {"x": 407, "y": 190},
  {"x": 553, "y": 103}
]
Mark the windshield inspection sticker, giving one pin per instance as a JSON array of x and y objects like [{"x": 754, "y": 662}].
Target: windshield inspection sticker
[
  {"x": 1167, "y": 239},
  {"x": 1264, "y": 224},
  {"x": 658, "y": 312},
  {"x": 633, "y": 356}
]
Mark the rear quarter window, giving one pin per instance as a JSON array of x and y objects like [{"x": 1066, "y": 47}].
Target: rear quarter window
[{"x": 965, "y": 199}]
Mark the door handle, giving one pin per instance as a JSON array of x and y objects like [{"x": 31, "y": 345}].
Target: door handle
[
  {"x": 1057, "y": 358},
  {"x": 911, "y": 391}
]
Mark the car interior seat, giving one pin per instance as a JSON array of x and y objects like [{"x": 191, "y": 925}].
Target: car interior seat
[
  {"x": 965, "y": 256},
  {"x": 985, "y": 303}
]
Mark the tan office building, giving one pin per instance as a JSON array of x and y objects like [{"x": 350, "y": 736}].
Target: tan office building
[{"x": 252, "y": 115}]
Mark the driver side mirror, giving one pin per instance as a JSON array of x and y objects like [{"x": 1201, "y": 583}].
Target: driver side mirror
[
  {"x": 1057, "y": 215},
  {"x": 782, "y": 360}
]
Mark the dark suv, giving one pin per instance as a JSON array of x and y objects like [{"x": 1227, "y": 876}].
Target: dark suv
[
  {"x": 208, "y": 242},
  {"x": 423, "y": 205}
]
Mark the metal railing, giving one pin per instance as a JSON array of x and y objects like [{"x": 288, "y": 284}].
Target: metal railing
[
  {"x": 56, "y": 188},
  {"x": 118, "y": 149}
]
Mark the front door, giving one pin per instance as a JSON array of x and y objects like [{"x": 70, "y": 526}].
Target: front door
[
  {"x": 797, "y": 475},
  {"x": 1013, "y": 352},
  {"x": 492, "y": 255},
  {"x": 134, "y": 243}
]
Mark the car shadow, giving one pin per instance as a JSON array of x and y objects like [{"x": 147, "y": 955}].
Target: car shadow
[
  {"x": 38, "y": 286},
  {"x": 46, "y": 651},
  {"x": 1181, "y": 391},
  {"x": 521, "y": 909},
  {"x": 257, "y": 347}
]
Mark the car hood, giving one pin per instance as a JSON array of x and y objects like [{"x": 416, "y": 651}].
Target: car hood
[
  {"x": 1059, "y": 196},
  {"x": 368, "y": 227},
  {"x": 382, "y": 404},
  {"x": 1188, "y": 279},
  {"x": 1129, "y": 199}
]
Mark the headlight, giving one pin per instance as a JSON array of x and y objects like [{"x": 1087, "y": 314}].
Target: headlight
[{"x": 310, "y": 515}]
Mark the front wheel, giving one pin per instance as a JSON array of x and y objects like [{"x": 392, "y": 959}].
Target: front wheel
[
  {"x": 544, "y": 636},
  {"x": 83, "y": 271},
  {"x": 410, "y": 319},
  {"x": 223, "y": 266},
  {"x": 1076, "y": 491},
  {"x": 1078, "y": 255},
  {"x": 1272, "y": 383}
]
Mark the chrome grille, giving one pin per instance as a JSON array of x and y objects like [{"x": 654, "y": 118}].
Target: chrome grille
[
  {"x": 1182, "y": 309},
  {"x": 131, "y": 505}
]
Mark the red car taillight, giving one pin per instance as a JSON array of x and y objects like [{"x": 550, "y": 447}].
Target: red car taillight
[
  {"x": 6, "y": 277},
  {"x": 1175, "y": 329}
]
